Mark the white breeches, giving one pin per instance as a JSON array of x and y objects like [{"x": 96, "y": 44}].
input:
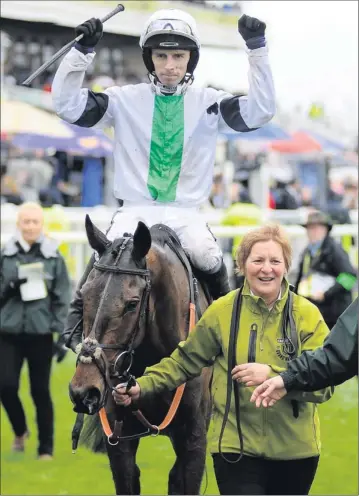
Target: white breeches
[{"x": 189, "y": 225}]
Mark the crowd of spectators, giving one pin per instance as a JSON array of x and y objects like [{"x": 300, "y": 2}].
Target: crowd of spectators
[
  {"x": 35, "y": 175},
  {"x": 38, "y": 175},
  {"x": 286, "y": 190}
]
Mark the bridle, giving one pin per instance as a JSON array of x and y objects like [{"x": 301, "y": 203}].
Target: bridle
[{"x": 90, "y": 350}]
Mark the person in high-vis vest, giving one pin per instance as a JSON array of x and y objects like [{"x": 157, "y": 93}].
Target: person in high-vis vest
[
  {"x": 241, "y": 214},
  {"x": 325, "y": 276},
  {"x": 165, "y": 130},
  {"x": 56, "y": 219}
]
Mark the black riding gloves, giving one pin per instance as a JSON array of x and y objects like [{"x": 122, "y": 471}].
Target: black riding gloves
[
  {"x": 92, "y": 31},
  {"x": 252, "y": 31}
]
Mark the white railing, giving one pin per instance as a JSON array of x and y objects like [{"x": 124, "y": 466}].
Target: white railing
[
  {"x": 81, "y": 251},
  {"x": 102, "y": 215}
]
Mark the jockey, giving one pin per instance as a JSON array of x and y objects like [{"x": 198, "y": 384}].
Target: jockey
[{"x": 166, "y": 130}]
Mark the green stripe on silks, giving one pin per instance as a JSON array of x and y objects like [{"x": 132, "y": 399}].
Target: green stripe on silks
[
  {"x": 346, "y": 280},
  {"x": 166, "y": 147}
]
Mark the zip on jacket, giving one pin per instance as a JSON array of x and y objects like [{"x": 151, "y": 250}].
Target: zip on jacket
[{"x": 252, "y": 343}]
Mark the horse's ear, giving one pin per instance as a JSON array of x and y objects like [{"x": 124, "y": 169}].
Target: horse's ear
[
  {"x": 141, "y": 241},
  {"x": 97, "y": 239}
]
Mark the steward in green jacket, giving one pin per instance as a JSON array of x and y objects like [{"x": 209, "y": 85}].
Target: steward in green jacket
[
  {"x": 276, "y": 433},
  {"x": 248, "y": 336}
]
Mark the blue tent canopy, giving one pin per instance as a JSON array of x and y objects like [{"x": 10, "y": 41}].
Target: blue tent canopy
[
  {"x": 84, "y": 141},
  {"x": 268, "y": 132}
]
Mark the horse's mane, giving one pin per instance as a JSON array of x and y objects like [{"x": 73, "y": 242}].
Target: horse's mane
[
  {"x": 162, "y": 235},
  {"x": 159, "y": 235}
]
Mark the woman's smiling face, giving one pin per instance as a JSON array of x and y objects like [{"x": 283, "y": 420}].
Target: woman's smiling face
[{"x": 265, "y": 270}]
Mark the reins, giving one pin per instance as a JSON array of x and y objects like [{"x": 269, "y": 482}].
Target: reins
[
  {"x": 113, "y": 437},
  {"x": 90, "y": 350}
]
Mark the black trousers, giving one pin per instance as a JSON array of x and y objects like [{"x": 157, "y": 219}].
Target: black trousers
[
  {"x": 37, "y": 350},
  {"x": 252, "y": 475}
]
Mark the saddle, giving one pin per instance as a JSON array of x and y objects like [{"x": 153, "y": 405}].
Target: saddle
[{"x": 166, "y": 236}]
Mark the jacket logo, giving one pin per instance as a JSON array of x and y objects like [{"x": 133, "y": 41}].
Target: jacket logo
[
  {"x": 213, "y": 109},
  {"x": 281, "y": 352}
]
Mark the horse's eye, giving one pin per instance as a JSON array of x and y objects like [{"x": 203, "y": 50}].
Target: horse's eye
[{"x": 131, "y": 306}]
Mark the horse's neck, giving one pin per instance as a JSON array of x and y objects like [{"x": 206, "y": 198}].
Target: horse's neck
[{"x": 169, "y": 301}]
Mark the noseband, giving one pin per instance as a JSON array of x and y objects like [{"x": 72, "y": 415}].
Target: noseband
[{"x": 90, "y": 350}]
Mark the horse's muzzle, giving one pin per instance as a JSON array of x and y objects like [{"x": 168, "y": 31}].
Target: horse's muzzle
[{"x": 85, "y": 400}]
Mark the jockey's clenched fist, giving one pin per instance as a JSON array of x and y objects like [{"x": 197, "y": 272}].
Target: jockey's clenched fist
[
  {"x": 123, "y": 397},
  {"x": 92, "y": 31},
  {"x": 252, "y": 31}
]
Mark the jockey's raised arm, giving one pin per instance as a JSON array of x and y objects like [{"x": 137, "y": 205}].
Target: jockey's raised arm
[
  {"x": 86, "y": 108},
  {"x": 248, "y": 112},
  {"x": 78, "y": 105},
  {"x": 166, "y": 130}
]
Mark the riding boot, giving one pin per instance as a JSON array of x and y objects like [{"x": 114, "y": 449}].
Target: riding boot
[
  {"x": 75, "y": 314},
  {"x": 218, "y": 282}
]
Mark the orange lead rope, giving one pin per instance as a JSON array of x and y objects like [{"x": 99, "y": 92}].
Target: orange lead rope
[
  {"x": 104, "y": 421},
  {"x": 192, "y": 316},
  {"x": 175, "y": 402}
]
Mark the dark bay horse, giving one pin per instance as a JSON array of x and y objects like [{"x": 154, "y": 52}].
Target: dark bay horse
[{"x": 136, "y": 305}]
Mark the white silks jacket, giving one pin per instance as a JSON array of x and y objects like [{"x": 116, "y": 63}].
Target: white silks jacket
[{"x": 164, "y": 151}]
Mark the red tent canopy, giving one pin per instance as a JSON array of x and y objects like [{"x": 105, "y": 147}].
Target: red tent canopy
[{"x": 300, "y": 143}]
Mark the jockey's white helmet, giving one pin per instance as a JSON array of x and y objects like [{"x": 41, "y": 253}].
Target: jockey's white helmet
[{"x": 170, "y": 29}]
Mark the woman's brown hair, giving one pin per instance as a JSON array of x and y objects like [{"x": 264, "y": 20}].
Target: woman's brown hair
[{"x": 268, "y": 232}]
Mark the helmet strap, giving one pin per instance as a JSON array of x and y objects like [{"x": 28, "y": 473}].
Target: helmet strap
[{"x": 179, "y": 89}]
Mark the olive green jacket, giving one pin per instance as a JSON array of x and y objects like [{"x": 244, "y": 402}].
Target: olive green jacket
[
  {"x": 274, "y": 433},
  {"x": 43, "y": 316}
]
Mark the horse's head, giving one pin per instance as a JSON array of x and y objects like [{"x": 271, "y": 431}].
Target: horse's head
[{"x": 115, "y": 297}]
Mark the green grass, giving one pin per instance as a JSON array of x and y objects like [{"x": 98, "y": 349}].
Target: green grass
[{"x": 87, "y": 473}]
